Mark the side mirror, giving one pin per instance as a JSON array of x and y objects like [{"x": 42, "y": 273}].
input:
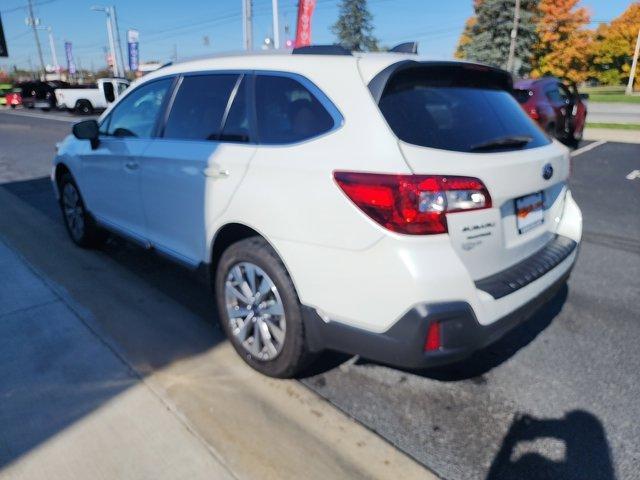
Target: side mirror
[
  {"x": 584, "y": 96},
  {"x": 87, "y": 130}
]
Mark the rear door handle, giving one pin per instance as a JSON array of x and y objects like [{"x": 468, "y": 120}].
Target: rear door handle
[
  {"x": 131, "y": 165},
  {"x": 215, "y": 172}
]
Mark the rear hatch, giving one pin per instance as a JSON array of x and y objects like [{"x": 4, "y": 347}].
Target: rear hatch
[{"x": 461, "y": 119}]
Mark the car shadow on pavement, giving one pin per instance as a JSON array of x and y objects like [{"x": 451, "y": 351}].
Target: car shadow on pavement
[{"x": 581, "y": 447}]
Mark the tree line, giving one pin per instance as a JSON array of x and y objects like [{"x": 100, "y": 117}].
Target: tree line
[{"x": 553, "y": 39}]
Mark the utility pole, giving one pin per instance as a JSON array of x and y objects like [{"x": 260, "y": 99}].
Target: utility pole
[
  {"x": 634, "y": 64},
  {"x": 33, "y": 23},
  {"x": 276, "y": 25},
  {"x": 514, "y": 36},
  {"x": 123, "y": 67},
  {"x": 247, "y": 24}
]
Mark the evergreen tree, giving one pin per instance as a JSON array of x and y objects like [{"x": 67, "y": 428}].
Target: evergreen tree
[
  {"x": 354, "y": 26},
  {"x": 490, "y": 36}
]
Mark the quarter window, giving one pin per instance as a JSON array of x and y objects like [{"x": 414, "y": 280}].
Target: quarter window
[
  {"x": 288, "y": 112},
  {"x": 199, "y": 107},
  {"x": 137, "y": 113}
]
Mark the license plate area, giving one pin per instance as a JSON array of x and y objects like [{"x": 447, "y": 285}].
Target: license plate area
[{"x": 529, "y": 212}]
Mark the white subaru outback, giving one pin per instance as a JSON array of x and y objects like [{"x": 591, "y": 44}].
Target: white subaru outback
[{"x": 376, "y": 204}]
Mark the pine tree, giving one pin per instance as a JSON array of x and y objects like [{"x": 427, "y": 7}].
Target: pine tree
[
  {"x": 354, "y": 26},
  {"x": 490, "y": 36},
  {"x": 563, "y": 46}
]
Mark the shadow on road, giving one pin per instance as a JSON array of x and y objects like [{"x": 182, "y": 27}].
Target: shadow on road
[{"x": 584, "y": 441}]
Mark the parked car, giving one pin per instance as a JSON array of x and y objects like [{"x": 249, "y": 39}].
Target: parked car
[
  {"x": 384, "y": 205},
  {"x": 557, "y": 107},
  {"x": 4, "y": 89},
  {"x": 97, "y": 97},
  {"x": 14, "y": 98}
]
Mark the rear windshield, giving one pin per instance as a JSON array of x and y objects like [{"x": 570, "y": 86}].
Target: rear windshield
[
  {"x": 452, "y": 109},
  {"x": 522, "y": 96}
]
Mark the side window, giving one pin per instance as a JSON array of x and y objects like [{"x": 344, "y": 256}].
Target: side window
[
  {"x": 237, "y": 127},
  {"x": 565, "y": 94},
  {"x": 553, "y": 94},
  {"x": 121, "y": 87},
  {"x": 109, "y": 93},
  {"x": 136, "y": 114},
  {"x": 287, "y": 111},
  {"x": 199, "y": 107}
]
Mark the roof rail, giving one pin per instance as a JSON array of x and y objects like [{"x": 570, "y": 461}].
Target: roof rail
[
  {"x": 321, "y": 50},
  {"x": 408, "y": 47}
]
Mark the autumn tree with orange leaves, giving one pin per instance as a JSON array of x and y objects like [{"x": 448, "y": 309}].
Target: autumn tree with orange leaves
[
  {"x": 564, "y": 44},
  {"x": 613, "y": 48}
]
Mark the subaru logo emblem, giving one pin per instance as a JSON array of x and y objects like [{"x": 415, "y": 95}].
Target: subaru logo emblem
[{"x": 547, "y": 171}]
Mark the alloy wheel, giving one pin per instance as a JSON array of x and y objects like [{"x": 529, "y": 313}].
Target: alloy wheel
[
  {"x": 255, "y": 311},
  {"x": 73, "y": 211}
]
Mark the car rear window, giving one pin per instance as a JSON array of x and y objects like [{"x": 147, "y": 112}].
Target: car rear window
[{"x": 458, "y": 109}]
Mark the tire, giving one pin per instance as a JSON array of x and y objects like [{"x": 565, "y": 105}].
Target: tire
[
  {"x": 13, "y": 107},
  {"x": 550, "y": 129},
  {"x": 79, "y": 224},
  {"x": 246, "y": 331},
  {"x": 83, "y": 107}
]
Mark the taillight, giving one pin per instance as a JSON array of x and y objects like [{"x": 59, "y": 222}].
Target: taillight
[
  {"x": 533, "y": 113},
  {"x": 432, "y": 340},
  {"x": 413, "y": 204}
]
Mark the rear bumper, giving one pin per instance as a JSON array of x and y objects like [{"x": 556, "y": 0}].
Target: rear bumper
[{"x": 403, "y": 344}]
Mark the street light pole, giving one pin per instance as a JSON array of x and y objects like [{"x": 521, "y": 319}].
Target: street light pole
[
  {"x": 112, "y": 47},
  {"x": 634, "y": 64},
  {"x": 276, "y": 25},
  {"x": 247, "y": 24},
  {"x": 514, "y": 36},
  {"x": 52, "y": 45}
]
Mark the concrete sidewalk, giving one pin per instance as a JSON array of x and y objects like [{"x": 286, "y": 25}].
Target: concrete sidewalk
[
  {"x": 612, "y": 135},
  {"x": 106, "y": 374},
  {"x": 69, "y": 407}
]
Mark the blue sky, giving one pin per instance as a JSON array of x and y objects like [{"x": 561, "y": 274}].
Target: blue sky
[{"x": 165, "y": 24}]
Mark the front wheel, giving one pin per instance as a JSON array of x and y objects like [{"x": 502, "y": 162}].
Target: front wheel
[
  {"x": 259, "y": 309},
  {"x": 79, "y": 223}
]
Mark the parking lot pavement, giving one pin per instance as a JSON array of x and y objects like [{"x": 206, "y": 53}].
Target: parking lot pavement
[{"x": 556, "y": 398}]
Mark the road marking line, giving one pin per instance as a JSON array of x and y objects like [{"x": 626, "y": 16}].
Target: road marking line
[
  {"x": 586, "y": 148},
  {"x": 43, "y": 115},
  {"x": 633, "y": 175}
]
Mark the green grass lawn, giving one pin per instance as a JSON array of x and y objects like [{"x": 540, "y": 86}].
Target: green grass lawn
[
  {"x": 616, "y": 126},
  {"x": 613, "y": 98},
  {"x": 613, "y": 94}
]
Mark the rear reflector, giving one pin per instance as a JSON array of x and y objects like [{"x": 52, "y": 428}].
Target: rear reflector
[
  {"x": 413, "y": 204},
  {"x": 432, "y": 342}
]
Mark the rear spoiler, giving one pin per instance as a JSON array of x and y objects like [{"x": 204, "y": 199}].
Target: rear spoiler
[{"x": 471, "y": 74}]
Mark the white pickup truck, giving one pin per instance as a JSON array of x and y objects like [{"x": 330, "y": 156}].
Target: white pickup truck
[{"x": 88, "y": 99}]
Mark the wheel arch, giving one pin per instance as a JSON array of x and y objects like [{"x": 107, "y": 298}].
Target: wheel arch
[
  {"x": 229, "y": 234},
  {"x": 60, "y": 169}
]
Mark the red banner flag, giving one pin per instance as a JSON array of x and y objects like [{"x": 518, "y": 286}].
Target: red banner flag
[{"x": 303, "y": 32}]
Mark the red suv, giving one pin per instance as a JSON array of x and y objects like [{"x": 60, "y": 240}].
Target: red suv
[{"x": 559, "y": 109}]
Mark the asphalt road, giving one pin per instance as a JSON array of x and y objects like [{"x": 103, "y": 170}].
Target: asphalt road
[
  {"x": 556, "y": 398},
  {"x": 613, "y": 112}
]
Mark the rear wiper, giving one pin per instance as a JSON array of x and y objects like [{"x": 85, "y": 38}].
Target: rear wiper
[{"x": 517, "y": 141}]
